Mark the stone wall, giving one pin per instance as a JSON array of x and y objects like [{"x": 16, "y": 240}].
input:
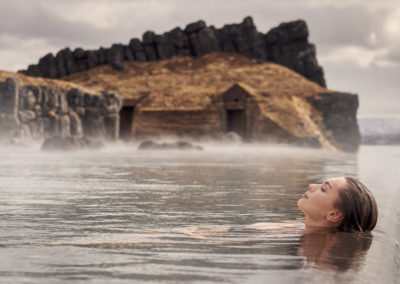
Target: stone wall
[
  {"x": 41, "y": 111},
  {"x": 286, "y": 44}
]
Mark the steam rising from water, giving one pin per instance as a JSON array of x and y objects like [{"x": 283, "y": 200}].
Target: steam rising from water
[{"x": 113, "y": 213}]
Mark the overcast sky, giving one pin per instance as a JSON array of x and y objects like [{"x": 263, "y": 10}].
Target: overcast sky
[{"x": 358, "y": 41}]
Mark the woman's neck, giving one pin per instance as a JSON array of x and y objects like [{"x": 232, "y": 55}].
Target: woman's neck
[{"x": 314, "y": 225}]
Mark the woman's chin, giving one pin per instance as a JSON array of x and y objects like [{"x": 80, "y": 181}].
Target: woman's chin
[{"x": 299, "y": 204}]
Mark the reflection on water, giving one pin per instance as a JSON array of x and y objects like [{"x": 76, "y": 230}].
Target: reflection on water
[
  {"x": 334, "y": 250},
  {"x": 115, "y": 215}
]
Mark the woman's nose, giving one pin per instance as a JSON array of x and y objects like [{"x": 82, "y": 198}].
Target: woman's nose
[{"x": 311, "y": 187}]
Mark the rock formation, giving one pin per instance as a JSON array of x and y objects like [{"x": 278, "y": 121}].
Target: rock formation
[
  {"x": 178, "y": 145},
  {"x": 202, "y": 97},
  {"x": 57, "y": 143},
  {"x": 286, "y": 44},
  {"x": 40, "y": 111},
  {"x": 339, "y": 116}
]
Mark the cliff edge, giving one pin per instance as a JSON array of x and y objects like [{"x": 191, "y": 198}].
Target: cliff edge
[{"x": 287, "y": 45}]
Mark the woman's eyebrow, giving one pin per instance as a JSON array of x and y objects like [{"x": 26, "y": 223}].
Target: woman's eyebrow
[{"x": 330, "y": 186}]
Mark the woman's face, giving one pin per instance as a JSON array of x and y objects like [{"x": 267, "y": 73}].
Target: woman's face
[{"x": 319, "y": 199}]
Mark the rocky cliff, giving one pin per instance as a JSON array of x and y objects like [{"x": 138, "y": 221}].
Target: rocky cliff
[
  {"x": 286, "y": 44},
  {"x": 40, "y": 111},
  {"x": 183, "y": 95}
]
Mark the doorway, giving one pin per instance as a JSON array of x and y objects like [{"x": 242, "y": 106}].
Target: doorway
[
  {"x": 235, "y": 121},
  {"x": 126, "y": 122}
]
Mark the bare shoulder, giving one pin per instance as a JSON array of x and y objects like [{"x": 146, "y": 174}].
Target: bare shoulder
[
  {"x": 204, "y": 232},
  {"x": 275, "y": 226}
]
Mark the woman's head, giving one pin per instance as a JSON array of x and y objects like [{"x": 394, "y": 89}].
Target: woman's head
[{"x": 343, "y": 202}]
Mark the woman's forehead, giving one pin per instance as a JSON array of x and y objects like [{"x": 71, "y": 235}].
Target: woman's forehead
[{"x": 336, "y": 182}]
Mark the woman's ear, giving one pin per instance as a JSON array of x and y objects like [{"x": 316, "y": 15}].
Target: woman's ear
[{"x": 335, "y": 216}]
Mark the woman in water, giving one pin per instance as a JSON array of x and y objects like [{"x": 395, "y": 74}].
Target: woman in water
[{"x": 339, "y": 204}]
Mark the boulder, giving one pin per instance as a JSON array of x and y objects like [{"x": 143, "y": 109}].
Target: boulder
[
  {"x": 69, "y": 61},
  {"x": 92, "y": 58},
  {"x": 163, "y": 46},
  {"x": 232, "y": 138},
  {"x": 81, "y": 60},
  {"x": 179, "y": 40},
  {"x": 60, "y": 63},
  {"x": 57, "y": 143},
  {"x": 208, "y": 41},
  {"x": 148, "y": 45},
  {"x": 224, "y": 39},
  {"x": 102, "y": 55},
  {"x": 115, "y": 54},
  {"x": 26, "y": 115},
  {"x": 179, "y": 145},
  {"x": 79, "y": 53},
  {"x": 128, "y": 54},
  {"x": 48, "y": 66},
  {"x": 137, "y": 49},
  {"x": 195, "y": 48},
  {"x": 195, "y": 27},
  {"x": 33, "y": 70},
  {"x": 253, "y": 39}
]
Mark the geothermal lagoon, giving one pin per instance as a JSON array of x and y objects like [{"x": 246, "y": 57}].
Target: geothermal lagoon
[{"x": 116, "y": 215}]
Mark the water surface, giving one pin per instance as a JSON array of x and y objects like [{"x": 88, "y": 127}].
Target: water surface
[{"x": 113, "y": 216}]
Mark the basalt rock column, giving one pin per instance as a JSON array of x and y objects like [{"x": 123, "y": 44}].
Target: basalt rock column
[
  {"x": 287, "y": 44},
  {"x": 9, "y": 98}
]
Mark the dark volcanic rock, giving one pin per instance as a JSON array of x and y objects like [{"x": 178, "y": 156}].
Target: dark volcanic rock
[
  {"x": 286, "y": 44},
  {"x": 179, "y": 145},
  {"x": 69, "y": 61},
  {"x": 92, "y": 58},
  {"x": 81, "y": 60},
  {"x": 195, "y": 27},
  {"x": 58, "y": 143},
  {"x": 137, "y": 49},
  {"x": 33, "y": 70},
  {"x": 148, "y": 45},
  {"x": 102, "y": 55},
  {"x": 9, "y": 100},
  {"x": 128, "y": 54},
  {"x": 60, "y": 63},
  {"x": 179, "y": 40},
  {"x": 339, "y": 112},
  {"x": 48, "y": 67},
  {"x": 115, "y": 54},
  {"x": 208, "y": 40}
]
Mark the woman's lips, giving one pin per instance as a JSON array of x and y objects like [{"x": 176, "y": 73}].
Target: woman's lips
[{"x": 305, "y": 195}]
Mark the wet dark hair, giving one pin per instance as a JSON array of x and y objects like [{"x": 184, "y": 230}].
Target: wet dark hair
[{"x": 358, "y": 206}]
